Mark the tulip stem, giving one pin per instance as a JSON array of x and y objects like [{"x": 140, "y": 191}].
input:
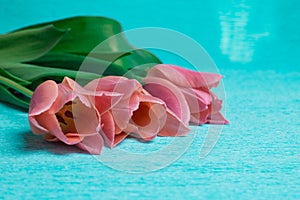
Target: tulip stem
[{"x": 16, "y": 86}]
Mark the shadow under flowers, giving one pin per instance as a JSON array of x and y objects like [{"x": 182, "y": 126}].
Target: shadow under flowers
[{"x": 38, "y": 143}]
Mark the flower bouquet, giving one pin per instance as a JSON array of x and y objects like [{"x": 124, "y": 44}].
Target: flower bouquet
[{"x": 135, "y": 95}]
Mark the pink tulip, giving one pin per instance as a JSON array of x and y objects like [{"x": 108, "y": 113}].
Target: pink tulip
[
  {"x": 63, "y": 112},
  {"x": 178, "y": 112},
  {"x": 137, "y": 113},
  {"x": 204, "y": 106}
]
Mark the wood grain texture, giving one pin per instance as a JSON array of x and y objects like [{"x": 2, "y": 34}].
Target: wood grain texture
[{"x": 256, "y": 156}]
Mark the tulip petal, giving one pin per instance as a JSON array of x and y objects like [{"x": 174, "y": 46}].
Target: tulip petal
[
  {"x": 199, "y": 118},
  {"x": 119, "y": 138},
  {"x": 86, "y": 119},
  {"x": 36, "y": 128},
  {"x": 75, "y": 87},
  {"x": 174, "y": 126},
  {"x": 170, "y": 94},
  {"x": 81, "y": 92},
  {"x": 216, "y": 104},
  {"x": 217, "y": 118},
  {"x": 50, "y": 123},
  {"x": 73, "y": 138},
  {"x": 92, "y": 144},
  {"x": 111, "y": 136},
  {"x": 197, "y": 100},
  {"x": 202, "y": 117},
  {"x": 184, "y": 77},
  {"x": 121, "y": 107},
  {"x": 64, "y": 95},
  {"x": 50, "y": 138},
  {"x": 148, "y": 119},
  {"x": 105, "y": 103},
  {"x": 108, "y": 129},
  {"x": 116, "y": 84},
  {"x": 43, "y": 98}
]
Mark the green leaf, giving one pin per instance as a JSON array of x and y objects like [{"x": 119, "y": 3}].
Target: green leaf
[
  {"x": 13, "y": 77},
  {"x": 137, "y": 63},
  {"x": 74, "y": 62},
  {"x": 96, "y": 64},
  {"x": 138, "y": 72},
  {"x": 8, "y": 97},
  {"x": 16, "y": 86},
  {"x": 29, "y": 44},
  {"x": 136, "y": 58},
  {"x": 41, "y": 52},
  {"x": 14, "y": 93},
  {"x": 38, "y": 74},
  {"x": 122, "y": 63},
  {"x": 86, "y": 33}
]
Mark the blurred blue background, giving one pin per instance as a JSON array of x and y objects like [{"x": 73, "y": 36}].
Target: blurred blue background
[
  {"x": 236, "y": 33},
  {"x": 255, "y": 44}
]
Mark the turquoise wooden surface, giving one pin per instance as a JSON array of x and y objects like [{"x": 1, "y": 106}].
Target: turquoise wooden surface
[{"x": 256, "y": 156}]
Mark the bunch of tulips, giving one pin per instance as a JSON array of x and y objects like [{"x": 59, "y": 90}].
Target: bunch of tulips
[{"x": 135, "y": 95}]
